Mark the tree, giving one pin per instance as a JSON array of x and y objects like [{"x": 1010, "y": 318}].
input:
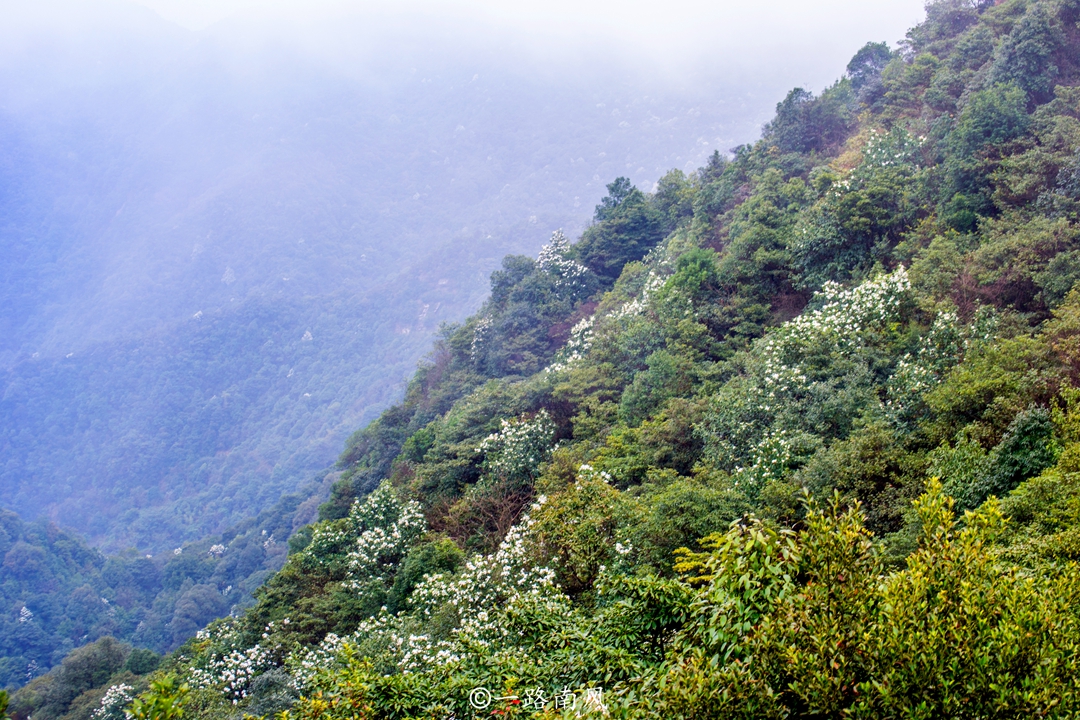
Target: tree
[
  {"x": 627, "y": 226},
  {"x": 1025, "y": 56},
  {"x": 866, "y": 66},
  {"x": 618, "y": 192},
  {"x": 804, "y": 123}
]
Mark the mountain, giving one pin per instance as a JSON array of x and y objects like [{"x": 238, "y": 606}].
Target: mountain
[
  {"x": 222, "y": 252},
  {"x": 793, "y": 435}
]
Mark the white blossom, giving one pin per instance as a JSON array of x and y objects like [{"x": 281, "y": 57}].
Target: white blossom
[{"x": 112, "y": 705}]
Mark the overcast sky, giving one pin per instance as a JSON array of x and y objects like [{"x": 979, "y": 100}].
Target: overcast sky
[{"x": 808, "y": 42}]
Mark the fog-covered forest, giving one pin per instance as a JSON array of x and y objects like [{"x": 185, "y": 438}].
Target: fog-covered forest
[
  {"x": 225, "y": 244},
  {"x": 794, "y": 435}
]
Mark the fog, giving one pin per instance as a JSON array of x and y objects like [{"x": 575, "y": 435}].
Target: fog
[
  {"x": 228, "y": 230},
  {"x": 807, "y": 41},
  {"x": 776, "y": 41}
]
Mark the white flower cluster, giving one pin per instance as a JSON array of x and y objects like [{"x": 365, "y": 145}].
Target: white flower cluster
[
  {"x": 216, "y": 550},
  {"x": 226, "y": 631},
  {"x": 304, "y": 665},
  {"x": 388, "y": 528},
  {"x": 379, "y": 512},
  {"x": 519, "y": 446},
  {"x": 842, "y": 321},
  {"x": 638, "y": 305},
  {"x": 25, "y": 615},
  {"x": 890, "y": 149},
  {"x": 554, "y": 259},
  {"x": 588, "y": 472},
  {"x": 890, "y": 157},
  {"x": 489, "y": 581},
  {"x": 894, "y": 149},
  {"x": 479, "y": 332},
  {"x": 480, "y": 594},
  {"x": 741, "y": 430},
  {"x": 772, "y": 457},
  {"x": 114, "y": 701},
  {"x": 940, "y": 349},
  {"x": 407, "y": 651},
  {"x": 581, "y": 337},
  {"x": 325, "y": 538},
  {"x": 916, "y": 374},
  {"x": 230, "y": 669},
  {"x": 233, "y": 673},
  {"x": 845, "y": 314}
]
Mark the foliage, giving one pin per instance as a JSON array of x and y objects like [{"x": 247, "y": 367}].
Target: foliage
[
  {"x": 626, "y": 226},
  {"x": 804, "y": 123},
  {"x": 164, "y": 700}
]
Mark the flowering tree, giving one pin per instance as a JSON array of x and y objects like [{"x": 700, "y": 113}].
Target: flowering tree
[
  {"x": 758, "y": 426},
  {"x": 517, "y": 449}
]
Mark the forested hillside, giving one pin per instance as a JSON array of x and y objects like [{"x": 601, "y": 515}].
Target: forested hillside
[{"x": 795, "y": 435}]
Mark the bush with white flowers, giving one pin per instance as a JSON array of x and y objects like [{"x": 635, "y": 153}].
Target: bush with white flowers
[
  {"x": 377, "y": 532},
  {"x": 520, "y": 445},
  {"x": 232, "y": 674},
  {"x": 226, "y": 665},
  {"x": 744, "y": 431},
  {"x": 386, "y": 529},
  {"x": 112, "y": 705},
  {"x": 839, "y": 231},
  {"x": 489, "y": 581},
  {"x": 555, "y": 259},
  {"x": 581, "y": 337},
  {"x": 479, "y": 597},
  {"x": 940, "y": 349}
]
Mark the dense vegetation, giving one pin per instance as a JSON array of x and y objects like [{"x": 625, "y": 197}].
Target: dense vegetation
[{"x": 797, "y": 435}]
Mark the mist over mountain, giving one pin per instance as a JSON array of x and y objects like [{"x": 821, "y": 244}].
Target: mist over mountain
[
  {"x": 212, "y": 274},
  {"x": 222, "y": 251},
  {"x": 794, "y": 435}
]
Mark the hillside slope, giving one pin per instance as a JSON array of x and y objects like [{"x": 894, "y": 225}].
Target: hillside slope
[{"x": 796, "y": 435}]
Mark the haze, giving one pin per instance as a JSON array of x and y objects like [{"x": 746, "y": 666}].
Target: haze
[
  {"x": 229, "y": 229},
  {"x": 807, "y": 38}
]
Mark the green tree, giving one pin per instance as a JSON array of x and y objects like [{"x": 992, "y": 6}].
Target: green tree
[
  {"x": 165, "y": 700},
  {"x": 626, "y": 226},
  {"x": 1026, "y": 56}
]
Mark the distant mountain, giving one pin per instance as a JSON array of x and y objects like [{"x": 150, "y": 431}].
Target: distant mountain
[
  {"x": 59, "y": 594},
  {"x": 216, "y": 261}
]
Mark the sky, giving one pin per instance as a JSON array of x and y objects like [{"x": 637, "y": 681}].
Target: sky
[{"x": 799, "y": 40}]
